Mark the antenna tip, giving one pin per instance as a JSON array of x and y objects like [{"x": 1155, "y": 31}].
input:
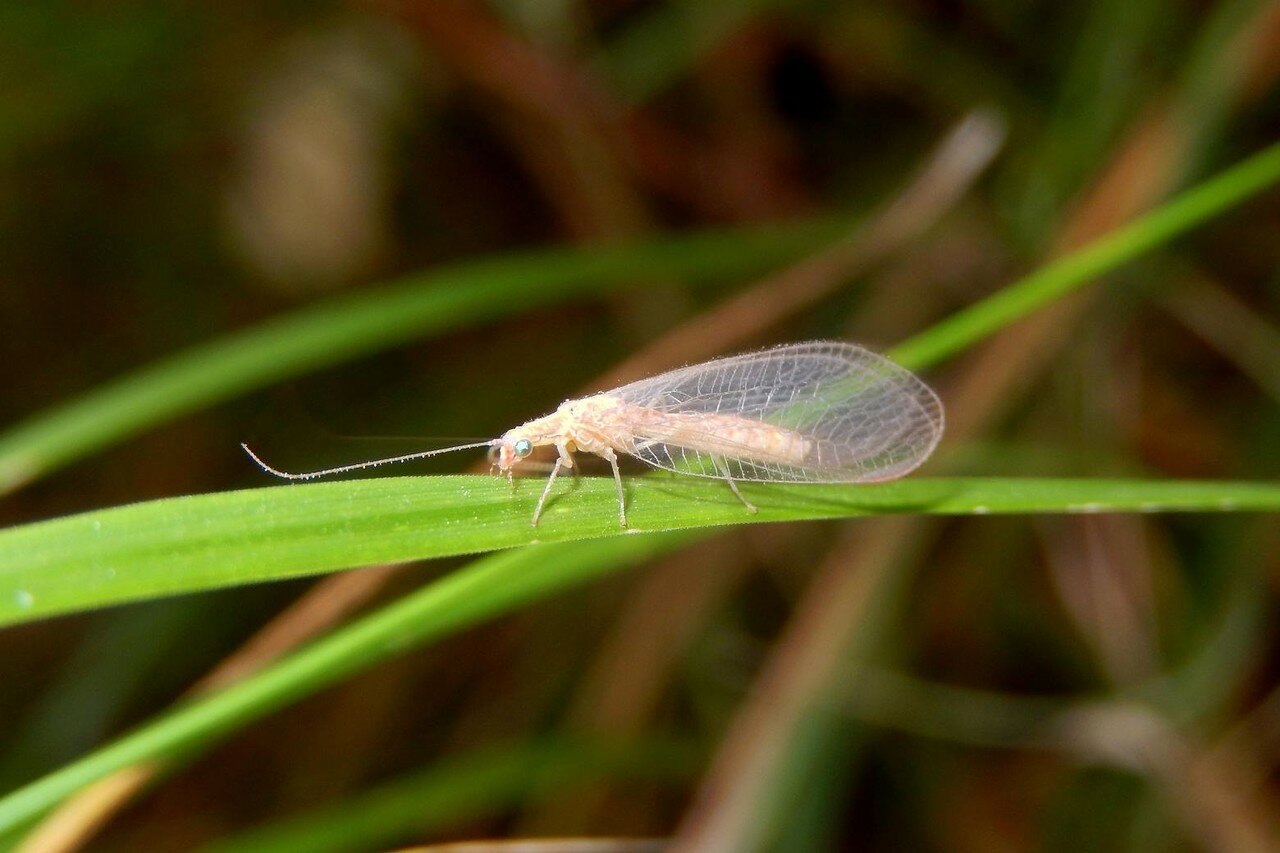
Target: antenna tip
[{"x": 258, "y": 460}]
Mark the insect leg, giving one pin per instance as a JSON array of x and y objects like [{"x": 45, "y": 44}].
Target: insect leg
[
  {"x": 537, "y": 511},
  {"x": 724, "y": 472},
  {"x": 608, "y": 453}
]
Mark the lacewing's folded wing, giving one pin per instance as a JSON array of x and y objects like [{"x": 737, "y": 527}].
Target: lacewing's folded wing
[{"x": 824, "y": 412}]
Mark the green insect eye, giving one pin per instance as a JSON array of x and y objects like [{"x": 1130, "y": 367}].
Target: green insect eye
[{"x": 523, "y": 447}]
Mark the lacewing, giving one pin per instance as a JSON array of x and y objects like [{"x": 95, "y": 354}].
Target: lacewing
[{"x": 819, "y": 412}]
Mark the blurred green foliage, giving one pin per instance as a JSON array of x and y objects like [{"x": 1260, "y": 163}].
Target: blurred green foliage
[{"x": 201, "y": 207}]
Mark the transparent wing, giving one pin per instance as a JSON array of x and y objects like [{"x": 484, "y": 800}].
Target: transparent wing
[{"x": 822, "y": 412}]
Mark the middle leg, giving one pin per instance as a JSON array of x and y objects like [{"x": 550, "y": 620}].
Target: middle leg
[{"x": 608, "y": 453}]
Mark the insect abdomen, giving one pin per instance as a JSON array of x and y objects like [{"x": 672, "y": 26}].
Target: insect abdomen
[{"x": 722, "y": 435}]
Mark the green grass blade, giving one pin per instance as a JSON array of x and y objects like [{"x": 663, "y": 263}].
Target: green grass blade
[
  {"x": 1061, "y": 277},
  {"x": 464, "y": 789},
  {"x": 340, "y": 330},
  {"x": 504, "y": 582},
  {"x": 483, "y": 590},
  {"x": 202, "y": 542}
]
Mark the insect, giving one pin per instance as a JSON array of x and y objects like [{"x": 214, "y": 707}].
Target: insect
[{"x": 819, "y": 412}]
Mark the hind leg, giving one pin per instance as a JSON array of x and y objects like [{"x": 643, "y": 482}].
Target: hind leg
[{"x": 733, "y": 485}]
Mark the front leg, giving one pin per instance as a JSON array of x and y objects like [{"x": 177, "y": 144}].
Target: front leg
[
  {"x": 537, "y": 511},
  {"x": 564, "y": 460}
]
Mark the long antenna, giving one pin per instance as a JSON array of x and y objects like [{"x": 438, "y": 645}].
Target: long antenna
[{"x": 373, "y": 463}]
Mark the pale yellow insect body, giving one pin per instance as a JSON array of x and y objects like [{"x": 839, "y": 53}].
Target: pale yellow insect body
[{"x": 606, "y": 426}]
